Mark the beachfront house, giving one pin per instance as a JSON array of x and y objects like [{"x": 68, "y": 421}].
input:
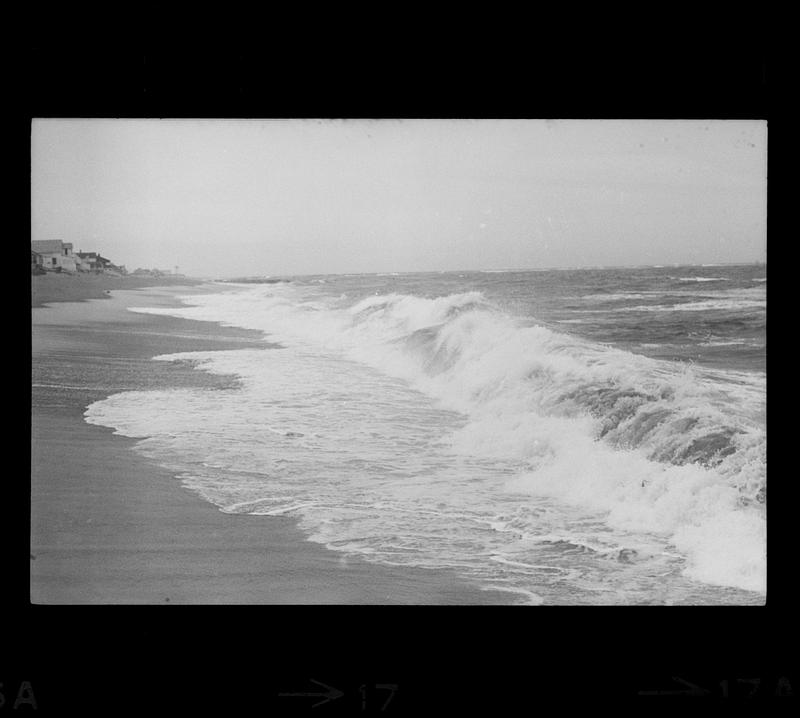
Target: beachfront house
[
  {"x": 111, "y": 268},
  {"x": 55, "y": 255},
  {"x": 93, "y": 262},
  {"x": 87, "y": 261}
]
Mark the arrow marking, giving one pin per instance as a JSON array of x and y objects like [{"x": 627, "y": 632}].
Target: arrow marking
[
  {"x": 331, "y": 694},
  {"x": 693, "y": 690}
]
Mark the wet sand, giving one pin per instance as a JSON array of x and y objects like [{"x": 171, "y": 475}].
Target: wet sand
[{"x": 110, "y": 526}]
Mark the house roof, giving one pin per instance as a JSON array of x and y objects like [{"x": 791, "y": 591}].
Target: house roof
[{"x": 47, "y": 246}]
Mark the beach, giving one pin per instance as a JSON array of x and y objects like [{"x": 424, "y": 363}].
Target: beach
[
  {"x": 64, "y": 287},
  {"x": 111, "y": 526}
]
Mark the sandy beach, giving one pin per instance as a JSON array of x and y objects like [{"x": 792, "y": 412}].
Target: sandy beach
[
  {"x": 109, "y": 526},
  {"x": 63, "y": 287}
]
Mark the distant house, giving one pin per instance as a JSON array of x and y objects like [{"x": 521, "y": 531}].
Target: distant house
[
  {"x": 88, "y": 261},
  {"x": 117, "y": 271},
  {"x": 55, "y": 254},
  {"x": 83, "y": 262},
  {"x": 95, "y": 262}
]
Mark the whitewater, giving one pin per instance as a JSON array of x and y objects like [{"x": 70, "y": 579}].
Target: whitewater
[{"x": 594, "y": 437}]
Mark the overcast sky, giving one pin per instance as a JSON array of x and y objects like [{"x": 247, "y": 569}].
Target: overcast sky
[{"x": 226, "y": 198}]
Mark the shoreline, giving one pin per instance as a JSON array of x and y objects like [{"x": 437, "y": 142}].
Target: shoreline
[
  {"x": 110, "y": 526},
  {"x": 61, "y": 287}
]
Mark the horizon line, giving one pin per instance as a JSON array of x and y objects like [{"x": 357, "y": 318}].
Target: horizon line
[{"x": 486, "y": 269}]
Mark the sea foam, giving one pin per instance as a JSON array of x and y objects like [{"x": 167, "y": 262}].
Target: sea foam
[{"x": 652, "y": 447}]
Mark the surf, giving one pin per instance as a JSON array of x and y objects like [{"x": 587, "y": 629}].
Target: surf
[{"x": 650, "y": 444}]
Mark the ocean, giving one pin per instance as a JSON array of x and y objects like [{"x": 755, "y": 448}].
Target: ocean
[{"x": 593, "y": 436}]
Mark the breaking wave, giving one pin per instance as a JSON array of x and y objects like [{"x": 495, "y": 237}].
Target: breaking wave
[{"x": 656, "y": 446}]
